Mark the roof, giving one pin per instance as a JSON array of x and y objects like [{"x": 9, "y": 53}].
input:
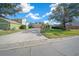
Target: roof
[
  {"x": 10, "y": 21},
  {"x": 73, "y": 24}
]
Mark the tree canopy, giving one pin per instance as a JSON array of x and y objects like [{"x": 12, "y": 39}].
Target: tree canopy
[
  {"x": 65, "y": 12},
  {"x": 9, "y": 9}
]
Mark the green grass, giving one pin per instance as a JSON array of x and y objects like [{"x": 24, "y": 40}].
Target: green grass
[
  {"x": 57, "y": 33},
  {"x": 5, "y": 32}
]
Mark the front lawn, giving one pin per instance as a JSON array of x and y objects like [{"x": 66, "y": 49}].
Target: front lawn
[
  {"x": 5, "y": 32},
  {"x": 57, "y": 33}
]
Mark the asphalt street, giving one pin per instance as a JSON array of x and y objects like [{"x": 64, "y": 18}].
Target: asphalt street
[{"x": 32, "y": 43}]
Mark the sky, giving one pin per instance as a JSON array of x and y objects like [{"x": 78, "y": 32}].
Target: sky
[{"x": 35, "y": 12}]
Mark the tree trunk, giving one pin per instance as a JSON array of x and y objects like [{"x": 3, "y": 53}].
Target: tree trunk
[{"x": 64, "y": 24}]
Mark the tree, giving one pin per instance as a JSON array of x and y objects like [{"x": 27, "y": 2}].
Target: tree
[
  {"x": 65, "y": 12},
  {"x": 9, "y": 9}
]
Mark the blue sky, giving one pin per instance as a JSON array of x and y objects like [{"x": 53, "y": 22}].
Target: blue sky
[{"x": 35, "y": 12}]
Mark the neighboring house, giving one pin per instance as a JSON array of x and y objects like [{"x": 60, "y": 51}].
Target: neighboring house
[
  {"x": 37, "y": 25},
  {"x": 6, "y": 24},
  {"x": 73, "y": 25}
]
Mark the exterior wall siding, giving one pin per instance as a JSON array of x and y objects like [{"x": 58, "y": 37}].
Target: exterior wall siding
[
  {"x": 15, "y": 26},
  {"x": 72, "y": 27},
  {"x": 4, "y": 24}
]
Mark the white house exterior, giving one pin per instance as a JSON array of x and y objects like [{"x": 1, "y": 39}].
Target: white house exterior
[{"x": 24, "y": 22}]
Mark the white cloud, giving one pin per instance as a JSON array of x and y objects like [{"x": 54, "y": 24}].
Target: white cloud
[
  {"x": 33, "y": 16},
  {"x": 47, "y": 14},
  {"x": 26, "y": 7},
  {"x": 46, "y": 21},
  {"x": 53, "y": 6}
]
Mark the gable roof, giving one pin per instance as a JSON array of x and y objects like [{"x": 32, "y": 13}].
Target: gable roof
[{"x": 10, "y": 21}]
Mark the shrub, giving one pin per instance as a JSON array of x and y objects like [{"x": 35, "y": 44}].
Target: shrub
[
  {"x": 22, "y": 27},
  {"x": 30, "y": 26}
]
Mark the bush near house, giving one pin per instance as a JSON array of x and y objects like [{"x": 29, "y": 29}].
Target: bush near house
[{"x": 22, "y": 27}]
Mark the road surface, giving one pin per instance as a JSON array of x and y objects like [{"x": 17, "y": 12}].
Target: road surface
[{"x": 38, "y": 45}]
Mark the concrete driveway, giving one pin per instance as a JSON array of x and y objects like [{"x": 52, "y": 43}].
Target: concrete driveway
[
  {"x": 27, "y": 35},
  {"x": 37, "y": 45}
]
